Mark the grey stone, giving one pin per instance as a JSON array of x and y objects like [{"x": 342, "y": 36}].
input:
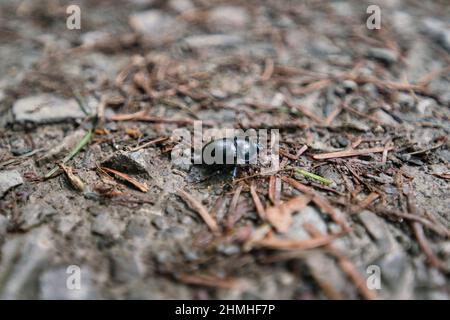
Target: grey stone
[
  {"x": 326, "y": 271},
  {"x": 106, "y": 226},
  {"x": 382, "y": 178},
  {"x": 342, "y": 141},
  {"x": 344, "y": 9},
  {"x": 33, "y": 214},
  {"x": 378, "y": 229},
  {"x": 92, "y": 37},
  {"x": 424, "y": 106},
  {"x": 331, "y": 173},
  {"x": 53, "y": 285},
  {"x": 126, "y": 265},
  {"x": 387, "y": 56},
  {"x": 176, "y": 232},
  {"x": 138, "y": 227},
  {"x": 67, "y": 223},
  {"x": 405, "y": 100},
  {"x": 371, "y": 90},
  {"x": 349, "y": 85},
  {"x": 397, "y": 275},
  {"x": 156, "y": 26},
  {"x": 323, "y": 47},
  {"x": 228, "y": 249},
  {"x": 9, "y": 179},
  {"x": 403, "y": 23},
  {"x": 19, "y": 146},
  {"x": 189, "y": 253},
  {"x": 181, "y": 5},
  {"x": 46, "y": 108},
  {"x": 160, "y": 223},
  {"x": 3, "y": 226},
  {"x": 213, "y": 40},
  {"x": 182, "y": 162},
  {"x": 438, "y": 30},
  {"x": 308, "y": 215},
  {"x": 63, "y": 147},
  {"x": 23, "y": 258},
  {"x": 129, "y": 162},
  {"x": 385, "y": 118},
  {"x": 228, "y": 18}
]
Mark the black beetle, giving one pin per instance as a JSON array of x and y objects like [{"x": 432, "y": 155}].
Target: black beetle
[{"x": 227, "y": 152}]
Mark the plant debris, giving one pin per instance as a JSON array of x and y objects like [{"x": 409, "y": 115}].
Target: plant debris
[
  {"x": 140, "y": 186},
  {"x": 361, "y": 179}
]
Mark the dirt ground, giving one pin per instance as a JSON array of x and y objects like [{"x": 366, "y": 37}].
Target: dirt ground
[{"x": 365, "y": 111}]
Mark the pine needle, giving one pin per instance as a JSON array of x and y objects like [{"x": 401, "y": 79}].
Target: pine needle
[
  {"x": 72, "y": 154},
  {"x": 313, "y": 176},
  {"x": 141, "y": 186}
]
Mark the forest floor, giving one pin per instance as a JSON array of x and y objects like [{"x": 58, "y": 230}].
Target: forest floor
[{"x": 364, "y": 113}]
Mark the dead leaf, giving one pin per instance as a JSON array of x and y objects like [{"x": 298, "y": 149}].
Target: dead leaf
[{"x": 74, "y": 180}]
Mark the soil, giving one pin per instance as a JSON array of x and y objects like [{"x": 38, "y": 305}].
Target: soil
[{"x": 140, "y": 225}]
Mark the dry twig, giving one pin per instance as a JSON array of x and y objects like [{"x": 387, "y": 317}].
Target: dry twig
[{"x": 201, "y": 210}]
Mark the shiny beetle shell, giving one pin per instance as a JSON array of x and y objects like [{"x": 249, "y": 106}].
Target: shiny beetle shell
[{"x": 230, "y": 151}]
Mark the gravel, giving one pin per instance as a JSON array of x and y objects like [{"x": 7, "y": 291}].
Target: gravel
[{"x": 9, "y": 179}]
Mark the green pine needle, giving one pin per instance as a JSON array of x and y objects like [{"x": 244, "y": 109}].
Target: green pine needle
[
  {"x": 313, "y": 176},
  {"x": 73, "y": 153}
]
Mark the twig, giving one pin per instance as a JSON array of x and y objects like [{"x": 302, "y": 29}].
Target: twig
[
  {"x": 350, "y": 153},
  {"x": 320, "y": 201},
  {"x": 268, "y": 70},
  {"x": 332, "y": 116},
  {"x": 201, "y": 210},
  {"x": 141, "y": 186},
  {"x": 288, "y": 155},
  {"x": 445, "y": 175},
  {"x": 281, "y": 216},
  {"x": 366, "y": 202},
  {"x": 145, "y": 145},
  {"x": 422, "y": 240},
  {"x": 274, "y": 242},
  {"x": 425, "y": 222},
  {"x": 275, "y": 189},
  {"x": 438, "y": 145},
  {"x": 420, "y": 235},
  {"x": 356, "y": 143},
  {"x": 385, "y": 153},
  {"x": 363, "y": 115},
  {"x": 208, "y": 281},
  {"x": 233, "y": 216},
  {"x": 302, "y": 151},
  {"x": 272, "y": 188},
  {"x": 303, "y": 110},
  {"x": 141, "y": 116},
  {"x": 259, "y": 206},
  {"x": 313, "y": 86}
]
